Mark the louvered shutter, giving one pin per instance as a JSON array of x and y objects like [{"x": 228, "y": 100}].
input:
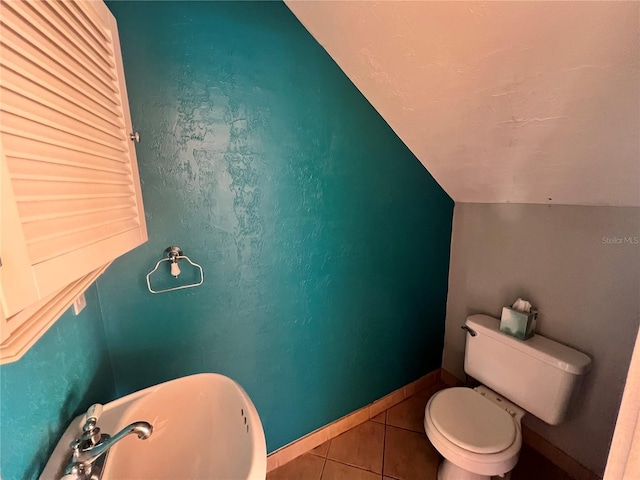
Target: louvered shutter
[{"x": 70, "y": 187}]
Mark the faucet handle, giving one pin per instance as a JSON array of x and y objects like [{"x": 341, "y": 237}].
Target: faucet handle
[
  {"x": 90, "y": 438},
  {"x": 93, "y": 414},
  {"x": 90, "y": 432}
]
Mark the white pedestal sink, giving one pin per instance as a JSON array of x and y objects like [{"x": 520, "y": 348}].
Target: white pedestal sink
[{"x": 204, "y": 427}]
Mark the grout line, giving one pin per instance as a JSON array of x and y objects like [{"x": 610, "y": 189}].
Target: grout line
[
  {"x": 384, "y": 443},
  {"x": 408, "y": 430},
  {"x": 354, "y": 466},
  {"x": 326, "y": 457},
  {"x": 323, "y": 465}
]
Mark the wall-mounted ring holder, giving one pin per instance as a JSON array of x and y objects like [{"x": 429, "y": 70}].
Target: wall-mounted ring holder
[{"x": 174, "y": 255}]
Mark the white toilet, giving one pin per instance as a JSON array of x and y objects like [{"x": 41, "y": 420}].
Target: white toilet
[{"x": 477, "y": 431}]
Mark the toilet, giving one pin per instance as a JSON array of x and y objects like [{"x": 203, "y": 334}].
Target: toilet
[{"x": 478, "y": 430}]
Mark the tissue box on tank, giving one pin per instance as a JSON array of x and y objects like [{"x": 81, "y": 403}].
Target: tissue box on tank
[{"x": 521, "y": 325}]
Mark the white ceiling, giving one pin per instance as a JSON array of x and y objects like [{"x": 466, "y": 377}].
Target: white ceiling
[{"x": 503, "y": 102}]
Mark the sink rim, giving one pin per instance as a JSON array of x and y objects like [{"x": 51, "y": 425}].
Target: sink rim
[{"x": 57, "y": 461}]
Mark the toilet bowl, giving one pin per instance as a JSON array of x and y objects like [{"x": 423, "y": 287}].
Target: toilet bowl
[{"x": 476, "y": 431}]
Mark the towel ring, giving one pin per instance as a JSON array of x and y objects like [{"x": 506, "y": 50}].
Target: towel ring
[{"x": 174, "y": 255}]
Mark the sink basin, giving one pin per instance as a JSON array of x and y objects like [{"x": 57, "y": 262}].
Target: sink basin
[{"x": 204, "y": 427}]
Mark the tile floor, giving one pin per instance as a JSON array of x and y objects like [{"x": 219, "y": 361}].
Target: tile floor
[{"x": 393, "y": 445}]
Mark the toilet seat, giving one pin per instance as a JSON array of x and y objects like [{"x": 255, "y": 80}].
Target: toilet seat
[
  {"x": 471, "y": 421},
  {"x": 488, "y": 464}
]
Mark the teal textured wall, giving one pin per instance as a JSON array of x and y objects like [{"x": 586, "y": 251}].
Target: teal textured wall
[
  {"x": 325, "y": 243},
  {"x": 66, "y": 371}
]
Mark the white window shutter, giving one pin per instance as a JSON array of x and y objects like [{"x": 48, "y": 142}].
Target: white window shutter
[
  {"x": 70, "y": 192},
  {"x": 71, "y": 199}
]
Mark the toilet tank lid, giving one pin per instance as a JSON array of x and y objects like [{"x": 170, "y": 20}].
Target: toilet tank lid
[{"x": 542, "y": 348}]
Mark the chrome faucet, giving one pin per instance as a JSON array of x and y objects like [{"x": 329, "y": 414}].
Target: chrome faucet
[{"x": 89, "y": 452}]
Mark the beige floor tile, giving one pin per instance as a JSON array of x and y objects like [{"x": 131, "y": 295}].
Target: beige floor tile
[
  {"x": 321, "y": 449},
  {"x": 409, "y": 455},
  {"x": 362, "y": 446},
  {"x": 380, "y": 418},
  {"x": 409, "y": 414},
  {"x": 305, "y": 467},
  {"x": 340, "y": 471}
]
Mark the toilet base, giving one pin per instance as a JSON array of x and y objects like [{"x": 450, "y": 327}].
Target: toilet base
[{"x": 450, "y": 471}]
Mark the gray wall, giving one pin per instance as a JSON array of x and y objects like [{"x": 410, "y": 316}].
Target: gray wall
[{"x": 580, "y": 267}]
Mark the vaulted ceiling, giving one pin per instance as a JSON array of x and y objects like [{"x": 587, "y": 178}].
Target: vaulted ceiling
[{"x": 503, "y": 102}]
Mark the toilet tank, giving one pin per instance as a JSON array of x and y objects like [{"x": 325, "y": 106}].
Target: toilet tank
[{"x": 538, "y": 374}]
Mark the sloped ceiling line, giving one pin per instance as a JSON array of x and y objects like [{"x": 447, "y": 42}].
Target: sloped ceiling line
[{"x": 503, "y": 102}]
